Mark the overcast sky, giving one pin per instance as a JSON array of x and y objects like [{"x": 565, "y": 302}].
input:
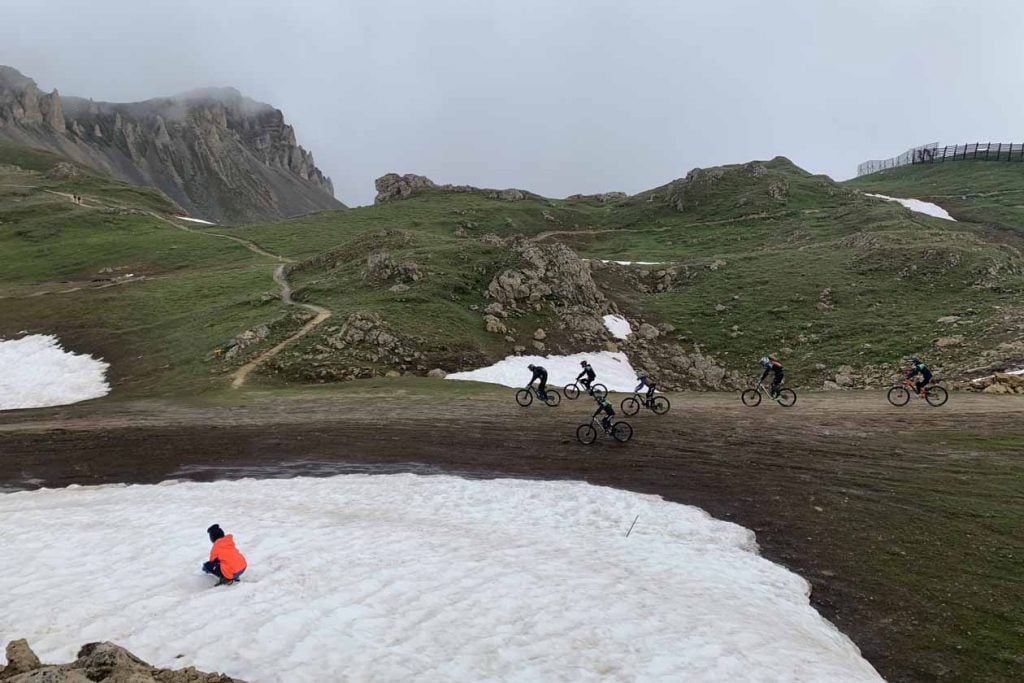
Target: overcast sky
[{"x": 556, "y": 96}]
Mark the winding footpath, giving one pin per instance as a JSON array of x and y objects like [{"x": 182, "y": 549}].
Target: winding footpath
[{"x": 240, "y": 375}]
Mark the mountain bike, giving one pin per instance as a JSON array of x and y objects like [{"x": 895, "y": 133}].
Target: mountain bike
[
  {"x": 631, "y": 404},
  {"x": 586, "y": 434},
  {"x": 752, "y": 397},
  {"x": 572, "y": 391},
  {"x": 900, "y": 393},
  {"x": 524, "y": 397}
]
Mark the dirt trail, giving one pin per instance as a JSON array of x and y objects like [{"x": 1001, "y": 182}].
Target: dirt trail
[
  {"x": 906, "y": 527},
  {"x": 280, "y": 275},
  {"x": 240, "y": 375},
  {"x": 322, "y": 314}
]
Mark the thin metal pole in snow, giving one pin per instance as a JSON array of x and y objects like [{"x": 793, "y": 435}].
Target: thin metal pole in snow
[{"x": 632, "y": 525}]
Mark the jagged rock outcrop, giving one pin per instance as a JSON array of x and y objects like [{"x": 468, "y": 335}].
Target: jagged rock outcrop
[
  {"x": 219, "y": 155},
  {"x": 392, "y": 186},
  {"x": 97, "y": 663},
  {"x": 550, "y": 271}
]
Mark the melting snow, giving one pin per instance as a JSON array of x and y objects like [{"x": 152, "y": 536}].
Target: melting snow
[
  {"x": 917, "y": 205},
  {"x": 618, "y": 326},
  {"x": 195, "y": 220},
  {"x": 613, "y": 370},
  {"x": 36, "y": 372},
  {"x": 634, "y": 263},
  {"x": 401, "y": 577}
]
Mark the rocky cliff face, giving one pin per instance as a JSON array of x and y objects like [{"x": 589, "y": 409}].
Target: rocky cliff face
[{"x": 221, "y": 156}]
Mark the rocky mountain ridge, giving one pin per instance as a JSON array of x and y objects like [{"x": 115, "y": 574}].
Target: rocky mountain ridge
[{"x": 217, "y": 154}]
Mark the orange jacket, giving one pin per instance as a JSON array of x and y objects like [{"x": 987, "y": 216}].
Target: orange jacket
[{"x": 231, "y": 561}]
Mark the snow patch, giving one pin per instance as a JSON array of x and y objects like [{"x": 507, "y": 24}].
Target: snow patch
[
  {"x": 634, "y": 263},
  {"x": 36, "y": 372},
  {"x": 195, "y": 220},
  {"x": 917, "y": 205},
  {"x": 612, "y": 368},
  {"x": 617, "y": 326},
  {"x": 403, "y": 577}
]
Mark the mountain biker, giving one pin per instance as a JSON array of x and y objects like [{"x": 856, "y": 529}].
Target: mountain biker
[
  {"x": 603, "y": 406},
  {"x": 772, "y": 365},
  {"x": 919, "y": 368},
  {"x": 586, "y": 376},
  {"x": 645, "y": 381},
  {"x": 540, "y": 374}
]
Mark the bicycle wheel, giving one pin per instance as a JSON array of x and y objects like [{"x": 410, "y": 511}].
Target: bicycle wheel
[
  {"x": 936, "y": 396},
  {"x": 660, "y": 405},
  {"x": 524, "y": 397},
  {"x": 553, "y": 398},
  {"x": 630, "y": 405},
  {"x": 751, "y": 397},
  {"x": 599, "y": 390},
  {"x": 787, "y": 397},
  {"x": 586, "y": 434},
  {"x": 572, "y": 392},
  {"x": 898, "y": 396},
  {"x": 622, "y": 432}
]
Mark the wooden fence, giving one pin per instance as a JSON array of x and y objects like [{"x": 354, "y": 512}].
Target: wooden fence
[{"x": 934, "y": 153}]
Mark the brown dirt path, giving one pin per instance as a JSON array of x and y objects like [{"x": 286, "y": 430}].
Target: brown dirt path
[{"x": 906, "y": 522}]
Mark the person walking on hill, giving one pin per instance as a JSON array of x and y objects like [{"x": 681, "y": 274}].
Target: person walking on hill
[
  {"x": 917, "y": 367},
  {"x": 226, "y": 562},
  {"x": 772, "y": 365},
  {"x": 587, "y": 376},
  {"x": 540, "y": 375}
]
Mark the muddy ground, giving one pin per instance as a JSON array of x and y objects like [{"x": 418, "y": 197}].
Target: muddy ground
[{"x": 907, "y": 522}]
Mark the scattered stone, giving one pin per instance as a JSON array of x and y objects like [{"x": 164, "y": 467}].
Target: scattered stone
[
  {"x": 720, "y": 308},
  {"x": 20, "y": 658},
  {"x": 948, "y": 320},
  {"x": 399, "y": 288},
  {"x": 494, "y": 325},
  {"x": 648, "y": 331},
  {"x": 716, "y": 264},
  {"x": 539, "y": 345},
  {"x": 437, "y": 373},
  {"x": 519, "y": 350},
  {"x": 496, "y": 309},
  {"x": 825, "y": 302},
  {"x": 945, "y": 342},
  {"x": 391, "y": 374},
  {"x": 540, "y": 334},
  {"x": 97, "y": 662},
  {"x": 829, "y": 385}
]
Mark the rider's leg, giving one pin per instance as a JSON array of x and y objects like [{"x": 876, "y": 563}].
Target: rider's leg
[
  {"x": 776, "y": 383},
  {"x": 920, "y": 385},
  {"x": 542, "y": 389},
  {"x": 650, "y": 394}
]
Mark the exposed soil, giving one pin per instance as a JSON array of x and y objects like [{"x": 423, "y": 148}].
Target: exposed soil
[{"x": 906, "y": 521}]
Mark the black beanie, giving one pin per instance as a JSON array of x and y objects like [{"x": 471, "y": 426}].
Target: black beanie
[{"x": 215, "y": 532}]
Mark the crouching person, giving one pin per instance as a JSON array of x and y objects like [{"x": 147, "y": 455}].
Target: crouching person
[{"x": 225, "y": 562}]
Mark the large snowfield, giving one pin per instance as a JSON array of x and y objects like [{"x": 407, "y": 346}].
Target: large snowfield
[
  {"x": 404, "y": 577},
  {"x": 36, "y": 372},
  {"x": 612, "y": 368},
  {"x": 917, "y": 205}
]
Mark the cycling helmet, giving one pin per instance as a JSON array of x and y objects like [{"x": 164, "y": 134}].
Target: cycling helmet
[
  {"x": 531, "y": 367},
  {"x": 765, "y": 361},
  {"x": 584, "y": 363},
  {"x": 915, "y": 359}
]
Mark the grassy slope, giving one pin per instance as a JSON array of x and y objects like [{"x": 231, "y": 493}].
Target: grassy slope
[
  {"x": 196, "y": 290},
  {"x": 987, "y": 192},
  {"x": 892, "y": 272}
]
